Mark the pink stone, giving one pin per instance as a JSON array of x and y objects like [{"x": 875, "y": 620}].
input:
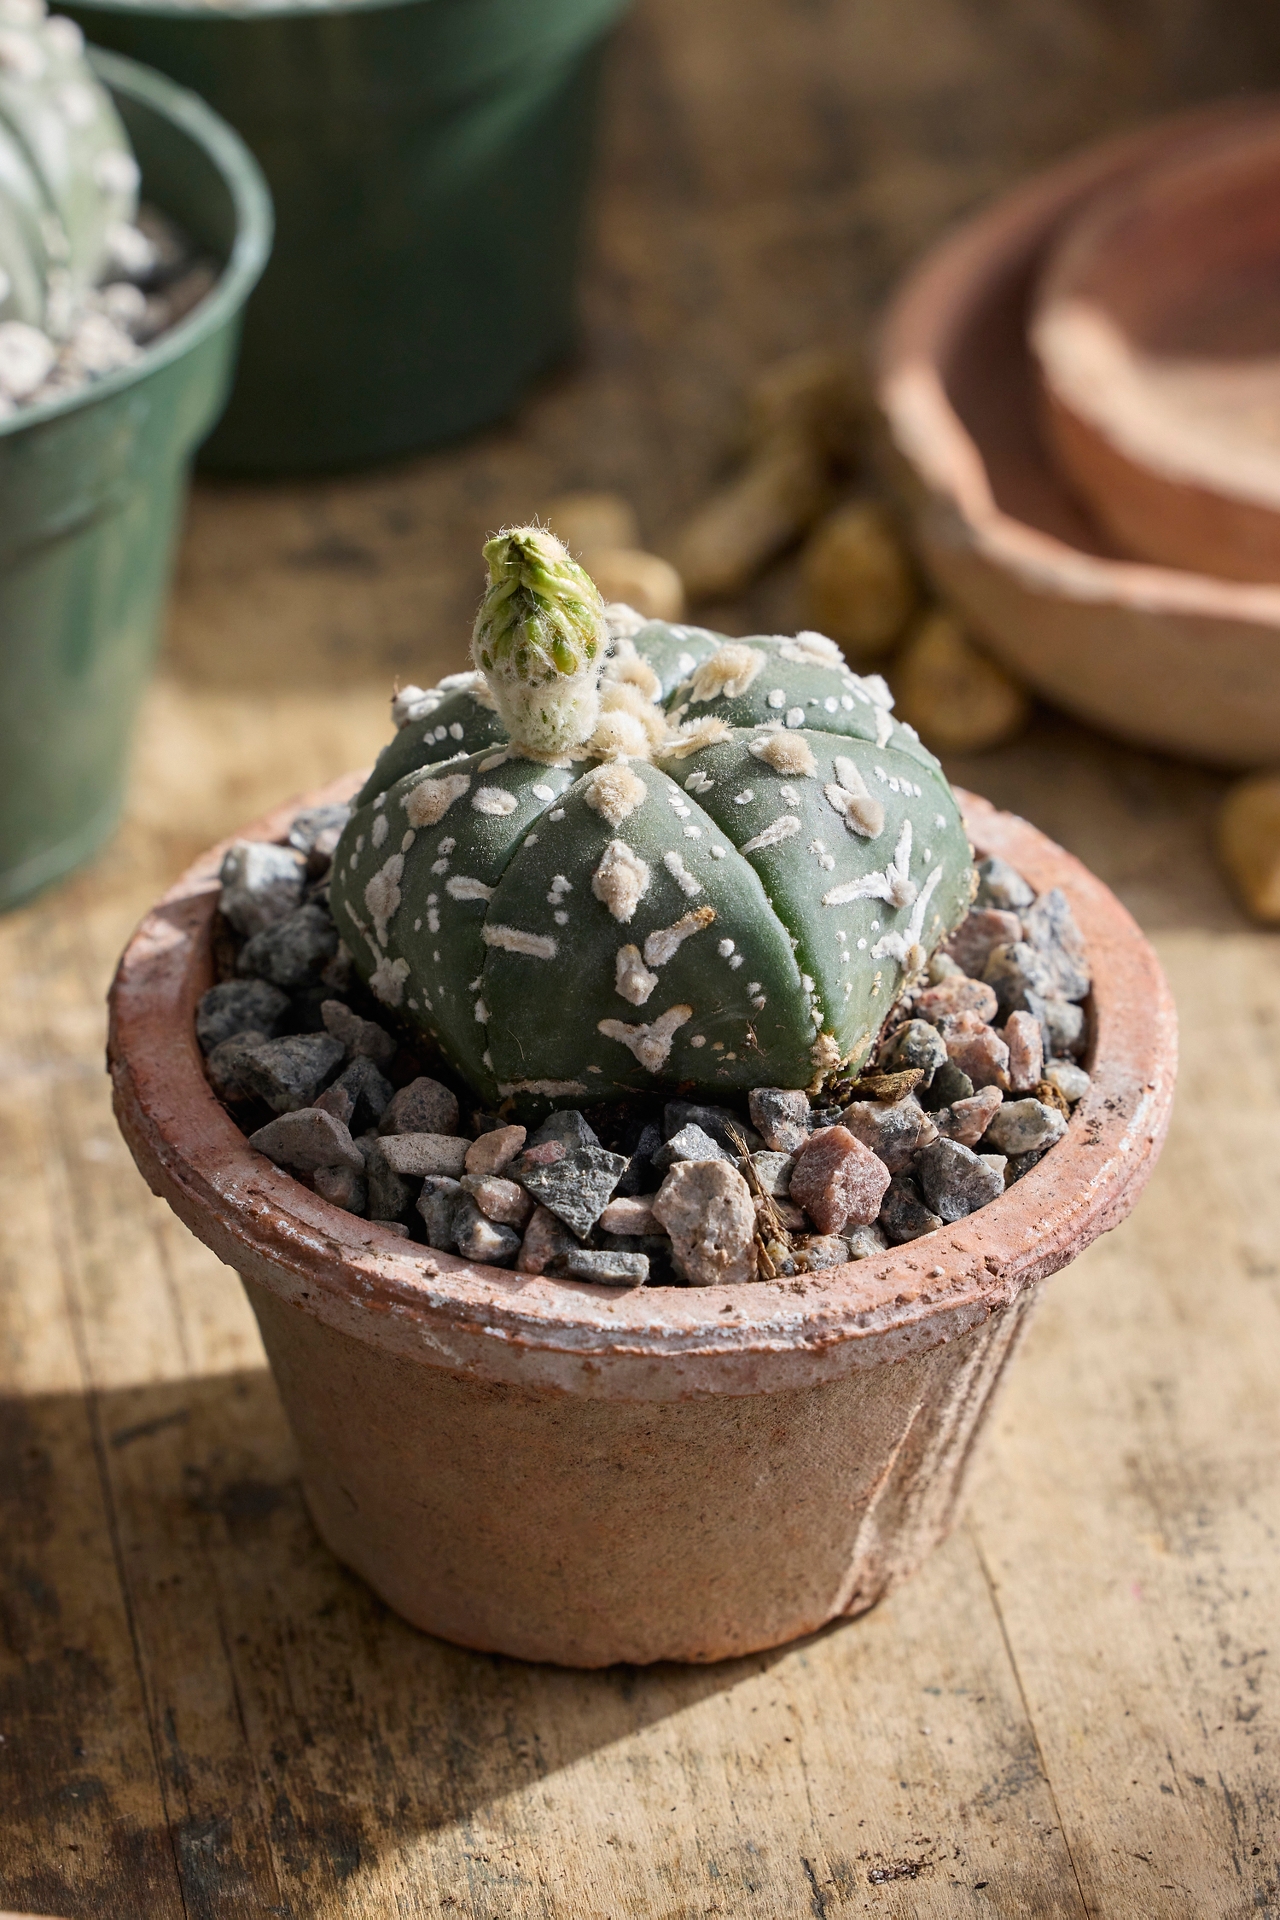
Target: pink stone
[
  {"x": 977, "y": 1050},
  {"x": 494, "y": 1152},
  {"x": 957, "y": 996},
  {"x": 632, "y": 1214},
  {"x": 544, "y": 1238},
  {"x": 986, "y": 927},
  {"x": 499, "y": 1199},
  {"x": 1025, "y": 1042},
  {"x": 966, "y": 1121},
  {"x": 838, "y": 1181}
]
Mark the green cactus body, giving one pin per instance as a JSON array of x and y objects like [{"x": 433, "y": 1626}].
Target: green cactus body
[
  {"x": 740, "y": 910},
  {"x": 67, "y": 174},
  {"x": 451, "y": 720}
]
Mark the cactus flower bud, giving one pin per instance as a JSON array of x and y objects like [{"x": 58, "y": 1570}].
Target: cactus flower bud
[{"x": 539, "y": 640}]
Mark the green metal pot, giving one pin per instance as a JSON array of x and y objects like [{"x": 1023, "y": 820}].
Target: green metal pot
[
  {"x": 428, "y": 160},
  {"x": 91, "y": 493}
]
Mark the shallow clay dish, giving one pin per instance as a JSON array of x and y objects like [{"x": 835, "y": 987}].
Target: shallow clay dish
[
  {"x": 1156, "y": 331},
  {"x": 1171, "y": 659},
  {"x": 574, "y": 1473}
]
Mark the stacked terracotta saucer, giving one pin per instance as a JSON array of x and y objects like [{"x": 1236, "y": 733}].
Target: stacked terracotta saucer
[{"x": 1082, "y": 391}]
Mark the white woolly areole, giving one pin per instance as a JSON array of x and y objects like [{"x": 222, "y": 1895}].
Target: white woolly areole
[
  {"x": 620, "y": 736},
  {"x": 632, "y": 978},
  {"x": 694, "y": 735},
  {"x": 780, "y": 829},
  {"x": 460, "y": 886},
  {"x": 621, "y": 880},
  {"x": 428, "y": 802},
  {"x": 387, "y": 981},
  {"x": 614, "y": 793},
  {"x": 785, "y": 753},
  {"x": 625, "y": 667},
  {"x": 812, "y": 649},
  {"x": 729, "y": 672},
  {"x": 662, "y": 944},
  {"x": 382, "y": 895},
  {"x": 687, "y": 882},
  {"x": 549, "y": 1089},
  {"x": 495, "y": 801},
  {"x": 621, "y": 620},
  {"x": 651, "y": 1045},
  {"x": 623, "y": 696},
  {"x": 861, "y": 811},
  {"x": 537, "y": 946}
]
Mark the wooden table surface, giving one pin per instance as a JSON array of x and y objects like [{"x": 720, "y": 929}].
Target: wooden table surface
[{"x": 1072, "y": 1710}]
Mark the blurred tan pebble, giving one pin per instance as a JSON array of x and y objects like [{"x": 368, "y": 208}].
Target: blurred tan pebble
[
  {"x": 820, "y": 393},
  {"x": 641, "y": 580},
  {"x": 859, "y": 579},
  {"x": 733, "y": 535},
  {"x": 584, "y": 520},
  {"x": 1249, "y": 843},
  {"x": 957, "y": 699}
]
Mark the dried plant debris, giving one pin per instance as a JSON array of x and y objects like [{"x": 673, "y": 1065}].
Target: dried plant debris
[{"x": 973, "y": 1080}]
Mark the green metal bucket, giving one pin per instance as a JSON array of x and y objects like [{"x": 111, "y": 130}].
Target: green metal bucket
[
  {"x": 428, "y": 160},
  {"x": 91, "y": 493}
]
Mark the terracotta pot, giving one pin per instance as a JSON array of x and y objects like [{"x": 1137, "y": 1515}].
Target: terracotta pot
[
  {"x": 574, "y": 1473},
  {"x": 1173, "y": 660},
  {"x": 1154, "y": 330}
]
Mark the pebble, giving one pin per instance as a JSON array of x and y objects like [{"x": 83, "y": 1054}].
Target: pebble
[
  {"x": 1025, "y": 1040},
  {"x": 289, "y": 1073},
  {"x": 357, "y": 1036},
  {"x": 1071, "y": 1081},
  {"x": 705, "y": 1206},
  {"x": 948, "y": 1085},
  {"x": 359, "y": 1095},
  {"x": 316, "y": 833},
  {"x": 862, "y": 1242},
  {"x": 577, "y": 1187},
  {"x": 545, "y": 1238},
  {"x": 224, "y": 1066},
  {"x": 725, "y": 1128},
  {"x": 261, "y": 883},
  {"x": 955, "y": 1181},
  {"x": 308, "y": 1140},
  {"x": 424, "y": 1106},
  {"x": 631, "y": 1214},
  {"x": 292, "y": 952},
  {"x": 567, "y": 1127},
  {"x": 690, "y": 1143},
  {"x": 239, "y": 1006},
  {"x": 610, "y": 1266},
  {"x": 903, "y": 1215},
  {"x": 942, "y": 967},
  {"x": 894, "y": 1133},
  {"x": 1063, "y": 1023},
  {"x": 780, "y": 1116},
  {"x": 416, "y": 1154},
  {"x": 391, "y": 1194},
  {"x": 504, "y": 1201},
  {"x": 639, "y": 1176},
  {"x": 1024, "y": 1126},
  {"x": 916, "y": 1044},
  {"x": 1051, "y": 929},
  {"x": 977, "y": 1050},
  {"x": 771, "y": 1214},
  {"x": 482, "y": 1240},
  {"x": 957, "y": 995},
  {"x": 772, "y": 1171},
  {"x": 1020, "y": 1163},
  {"x": 815, "y": 1251},
  {"x": 494, "y": 1151},
  {"x": 1000, "y": 885},
  {"x": 437, "y": 1205},
  {"x": 343, "y": 1187},
  {"x": 859, "y": 577},
  {"x": 982, "y": 929},
  {"x": 837, "y": 1179},
  {"x": 1017, "y": 972},
  {"x": 967, "y": 1120}
]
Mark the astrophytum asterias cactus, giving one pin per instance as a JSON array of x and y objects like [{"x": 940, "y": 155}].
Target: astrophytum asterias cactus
[
  {"x": 722, "y": 882},
  {"x": 67, "y": 175}
]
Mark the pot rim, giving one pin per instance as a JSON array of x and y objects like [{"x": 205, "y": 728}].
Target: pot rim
[
  {"x": 438, "y": 1309},
  {"x": 917, "y": 337},
  {"x": 250, "y": 249}
]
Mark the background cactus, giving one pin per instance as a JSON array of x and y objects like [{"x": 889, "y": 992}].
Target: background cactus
[
  {"x": 67, "y": 174},
  {"x": 723, "y": 884}
]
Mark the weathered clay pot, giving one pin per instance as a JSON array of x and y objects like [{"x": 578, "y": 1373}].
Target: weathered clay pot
[{"x": 574, "y": 1473}]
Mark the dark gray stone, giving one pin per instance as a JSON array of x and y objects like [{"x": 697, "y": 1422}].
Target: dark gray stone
[
  {"x": 568, "y": 1127},
  {"x": 772, "y": 1170},
  {"x": 294, "y": 951},
  {"x": 1000, "y": 885},
  {"x": 307, "y": 1140},
  {"x": 781, "y": 1117},
  {"x": 1052, "y": 931},
  {"x": 903, "y": 1215},
  {"x": 576, "y": 1188},
  {"x": 609, "y": 1266},
  {"x": 916, "y": 1044},
  {"x": 417, "y": 1154},
  {"x": 955, "y": 1182},
  {"x": 690, "y": 1143},
  {"x": 949, "y": 1085},
  {"x": 290, "y": 1072},
  {"x": 424, "y": 1106},
  {"x": 438, "y": 1204},
  {"x": 1063, "y": 1026},
  {"x": 720, "y": 1122},
  {"x": 359, "y": 1037},
  {"x": 362, "y": 1091},
  {"x": 391, "y": 1195},
  {"x": 824, "y": 1117},
  {"x": 224, "y": 1067},
  {"x": 343, "y": 1187},
  {"x": 239, "y": 1006},
  {"x": 1020, "y": 1163},
  {"x": 261, "y": 883},
  {"x": 1018, "y": 974},
  {"x": 482, "y": 1240},
  {"x": 640, "y": 1176},
  {"x": 316, "y": 833}
]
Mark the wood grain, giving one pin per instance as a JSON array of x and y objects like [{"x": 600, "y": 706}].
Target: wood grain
[{"x": 1072, "y": 1710}]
